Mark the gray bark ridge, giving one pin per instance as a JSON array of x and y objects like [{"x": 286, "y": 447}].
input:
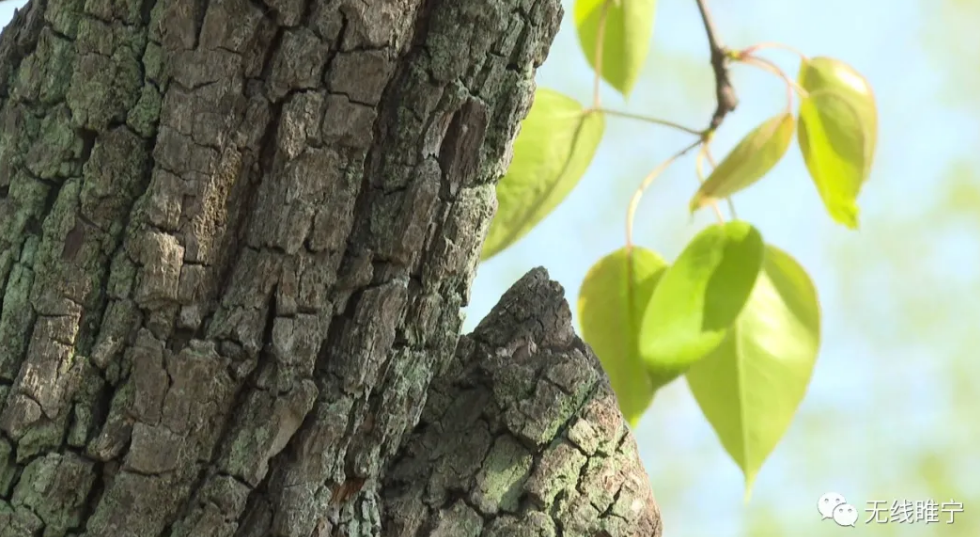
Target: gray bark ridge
[
  {"x": 235, "y": 239},
  {"x": 521, "y": 436}
]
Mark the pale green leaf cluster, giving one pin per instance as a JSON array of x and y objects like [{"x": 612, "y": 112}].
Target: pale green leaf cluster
[
  {"x": 837, "y": 131},
  {"x": 738, "y": 318}
]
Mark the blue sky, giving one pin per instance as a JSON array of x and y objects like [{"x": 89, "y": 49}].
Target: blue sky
[{"x": 699, "y": 488}]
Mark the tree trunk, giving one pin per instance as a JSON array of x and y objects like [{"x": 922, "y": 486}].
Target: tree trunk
[{"x": 235, "y": 238}]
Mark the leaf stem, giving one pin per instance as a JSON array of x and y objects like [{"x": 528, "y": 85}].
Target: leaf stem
[
  {"x": 600, "y": 37},
  {"x": 647, "y": 181},
  {"x": 648, "y": 119},
  {"x": 725, "y": 97},
  {"x": 766, "y": 65},
  {"x": 770, "y": 45}
]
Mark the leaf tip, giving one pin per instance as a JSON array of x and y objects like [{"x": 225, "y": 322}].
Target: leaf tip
[
  {"x": 749, "y": 483},
  {"x": 626, "y": 90},
  {"x": 848, "y": 217},
  {"x": 697, "y": 202}
]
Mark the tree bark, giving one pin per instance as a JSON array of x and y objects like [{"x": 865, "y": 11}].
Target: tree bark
[{"x": 235, "y": 238}]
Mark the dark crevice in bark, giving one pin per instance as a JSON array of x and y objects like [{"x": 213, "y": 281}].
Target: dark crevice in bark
[
  {"x": 146, "y": 11},
  {"x": 88, "y": 137}
]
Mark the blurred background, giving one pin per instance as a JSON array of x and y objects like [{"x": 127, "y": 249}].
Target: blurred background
[{"x": 891, "y": 413}]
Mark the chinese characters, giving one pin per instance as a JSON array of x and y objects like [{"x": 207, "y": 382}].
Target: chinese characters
[{"x": 912, "y": 512}]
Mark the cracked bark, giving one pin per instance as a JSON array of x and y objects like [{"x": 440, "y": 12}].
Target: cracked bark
[{"x": 235, "y": 238}]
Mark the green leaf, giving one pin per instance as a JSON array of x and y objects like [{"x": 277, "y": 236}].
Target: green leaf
[
  {"x": 832, "y": 142},
  {"x": 750, "y": 387},
  {"x": 838, "y": 133},
  {"x": 750, "y": 161},
  {"x": 554, "y": 148},
  {"x": 626, "y": 40},
  {"x": 699, "y": 298},
  {"x": 610, "y": 306}
]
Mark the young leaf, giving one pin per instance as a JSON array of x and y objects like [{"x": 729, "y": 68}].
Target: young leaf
[
  {"x": 553, "y": 149},
  {"x": 823, "y": 73},
  {"x": 838, "y": 132},
  {"x": 832, "y": 142},
  {"x": 750, "y": 387},
  {"x": 699, "y": 298},
  {"x": 751, "y": 159},
  {"x": 610, "y": 309},
  {"x": 626, "y": 39}
]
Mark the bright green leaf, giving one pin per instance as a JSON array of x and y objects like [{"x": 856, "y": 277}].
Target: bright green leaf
[
  {"x": 832, "y": 142},
  {"x": 823, "y": 73},
  {"x": 610, "y": 308},
  {"x": 838, "y": 132},
  {"x": 699, "y": 298},
  {"x": 750, "y": 387},
  {"x": 626, "y": 40},
  {"x": 554, "y": 148},
  {"x": 750, "y": 161}
]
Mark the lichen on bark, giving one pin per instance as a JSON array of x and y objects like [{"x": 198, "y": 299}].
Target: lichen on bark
[
  {"x": 521, "y": 435},
  {"x": 235, "y": 240}
]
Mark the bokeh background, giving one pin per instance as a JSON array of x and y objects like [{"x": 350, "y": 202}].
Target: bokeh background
[{"x": 891, "y": 413}]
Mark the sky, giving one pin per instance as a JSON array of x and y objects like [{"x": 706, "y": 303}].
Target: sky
[{"x": 884, "y": 416}]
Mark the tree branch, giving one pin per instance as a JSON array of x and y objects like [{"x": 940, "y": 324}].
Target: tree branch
[
  {"x": 521, "y": 435},
  {"x": 724, "y": 91}
]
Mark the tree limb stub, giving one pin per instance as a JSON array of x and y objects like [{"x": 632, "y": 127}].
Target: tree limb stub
[{"x": 522, "y": 435}]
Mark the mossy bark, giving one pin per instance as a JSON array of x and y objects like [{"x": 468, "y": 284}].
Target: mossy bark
[{"x": 235, "y": 238}]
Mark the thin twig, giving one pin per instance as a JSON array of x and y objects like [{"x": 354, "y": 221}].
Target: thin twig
[
  {"x": 699, "y": 163},
  {"x": 656, "y": 121},
  {"x": 761, "y": 46},
  {"x": 725, "y": 96},
  {"x": 727, "y": 101},
  {"x": 771, "y": 67},
  {"x": 647, "y": 181},
  {"x": 724, "y": 91}
]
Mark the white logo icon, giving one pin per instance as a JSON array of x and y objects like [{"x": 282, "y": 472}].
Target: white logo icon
[
  {"x": 828, "y": 502},
  {"x": 845, "y": 515}
]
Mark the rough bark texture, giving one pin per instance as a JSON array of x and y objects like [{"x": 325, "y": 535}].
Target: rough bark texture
[
  {"x": 235, "y": 238},
  {"x": 521, "y": 436}
]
